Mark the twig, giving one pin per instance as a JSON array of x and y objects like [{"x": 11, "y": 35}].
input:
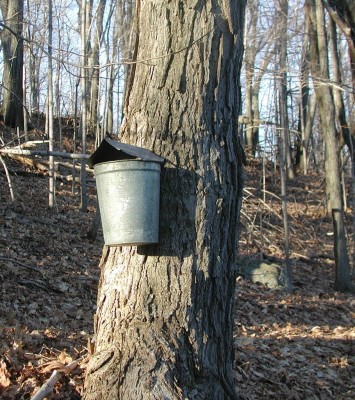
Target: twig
[
  {"x": 20, "y": 264},
  {"x": 47, "y": 388},
  {"x": 39, "y": 285},
  {"x": 8, "y": 179},
  {"x": 265, "y": 204}
]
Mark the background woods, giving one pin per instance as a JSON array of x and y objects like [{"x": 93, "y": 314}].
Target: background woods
[{"x": 65, "y": 69}]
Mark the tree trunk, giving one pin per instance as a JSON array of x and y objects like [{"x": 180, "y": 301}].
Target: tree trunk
[
  {"x": 320, "y": 74},
  {"x": 256, "y": 43},
  {"x": 340, "y": 111},
  {"x": 84, "y": 95},
  {"x": 286, "y": 169},
  {"x": 284, "y": 123},
  {"x": 127, "y": 38},
  {"x": 50, "y": 113},
  {"x": 12, "y": 46},
  {"x": 343, "y": 13},
  {"x": 113, "y": 73},
  {"x": 94, "y": 63},
  {"x": 164, "y": 323},
  {"x": 306, "y": 108},
  {"x": 251, "y": 98}
]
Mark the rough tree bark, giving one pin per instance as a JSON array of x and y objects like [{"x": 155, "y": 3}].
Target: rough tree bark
[
  {"x": 164, "y": 322},
  {"x": 12, "y": 47}
]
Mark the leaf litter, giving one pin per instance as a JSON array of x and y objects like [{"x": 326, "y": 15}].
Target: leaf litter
[{"x": 286, "y": 346}]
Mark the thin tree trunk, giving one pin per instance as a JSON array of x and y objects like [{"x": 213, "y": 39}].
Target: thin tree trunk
[
  {"x": 113, "y": 72},
  {"x": 75, "y": 132},
  {"x": 286, "y": 169},
  {"x": 320, "y": 74},
  {"x": 302, "y": 148},
  {"x": 83, "y": 125},
  {"x": 51, "y": 195},
  {"x": 284, "y": 123},
  {"x": 24, "y": 108},
  {"x": 251, "y": 130},
  {"x": 57, "y": 89},
  {"x": 342, "y": 124},
  {"x": 127, "y": 44},
  {"x": 95, "y": 65}
]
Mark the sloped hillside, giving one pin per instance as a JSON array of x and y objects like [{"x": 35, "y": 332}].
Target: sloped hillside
[
  {"x": 299, "y": 345},
  {"x": 287, "y": 346}
]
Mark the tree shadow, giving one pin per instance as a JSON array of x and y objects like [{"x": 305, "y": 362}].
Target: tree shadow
[{"x": 177, "y": 232}]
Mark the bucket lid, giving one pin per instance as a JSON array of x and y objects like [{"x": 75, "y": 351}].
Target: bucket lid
[{"x": 112, "y": 150}]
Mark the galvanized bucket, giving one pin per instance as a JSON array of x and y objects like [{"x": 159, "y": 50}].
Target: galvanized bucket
[{"x": 128, "y": 193}]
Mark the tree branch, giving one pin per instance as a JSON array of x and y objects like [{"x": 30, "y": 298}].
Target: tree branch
[{"x": 47, "y": 153}]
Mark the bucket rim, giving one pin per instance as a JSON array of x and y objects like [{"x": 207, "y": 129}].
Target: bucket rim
[{"x": 127, "y": 161}]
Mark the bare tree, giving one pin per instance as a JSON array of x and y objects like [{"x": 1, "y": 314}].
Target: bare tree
[
  {"x": 50, "y": 115},
  {"x": 84, "y": 96},
  {"x": 283, "y": 98},
  {"x": 94, "y": 64},
  {"x": 257, "y": 43},
  {"x": 120, "y": 50},
  {"x": 307, "y": 108},
  {"x": 320, "y": 74}
]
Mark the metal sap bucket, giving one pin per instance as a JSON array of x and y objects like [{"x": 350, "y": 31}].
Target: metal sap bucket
[
  {"x": 128, "y": 189},
  {"x": 128, "y": 193}
]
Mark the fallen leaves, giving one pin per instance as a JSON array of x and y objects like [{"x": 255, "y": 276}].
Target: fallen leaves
[
  {"x": 48, "y": 278},
  {"x": 4, "y": 375},
  {"x": 287, "y": 351},
  {"x": 298, "y": 346}
]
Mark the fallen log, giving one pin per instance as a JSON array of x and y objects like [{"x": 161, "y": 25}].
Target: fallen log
[
  {"x": 28, "y": 161},
  {"x": 44, "y": 153}
]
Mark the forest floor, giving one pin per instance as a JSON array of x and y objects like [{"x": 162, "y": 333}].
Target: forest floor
[{"x": 287, "y": 346}]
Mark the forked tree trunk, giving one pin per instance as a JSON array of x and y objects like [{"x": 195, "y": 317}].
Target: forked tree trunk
[{"x": 164, "y": 322}]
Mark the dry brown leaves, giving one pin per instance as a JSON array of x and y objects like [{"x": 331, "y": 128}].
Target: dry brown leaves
[
  {"x": 48, "y": 279},
  {"x": 301, "y": 345},
  {"x": 298, "y": 346}
]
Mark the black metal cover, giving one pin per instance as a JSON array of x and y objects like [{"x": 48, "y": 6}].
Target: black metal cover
[{"x": 112, "y": 150}]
